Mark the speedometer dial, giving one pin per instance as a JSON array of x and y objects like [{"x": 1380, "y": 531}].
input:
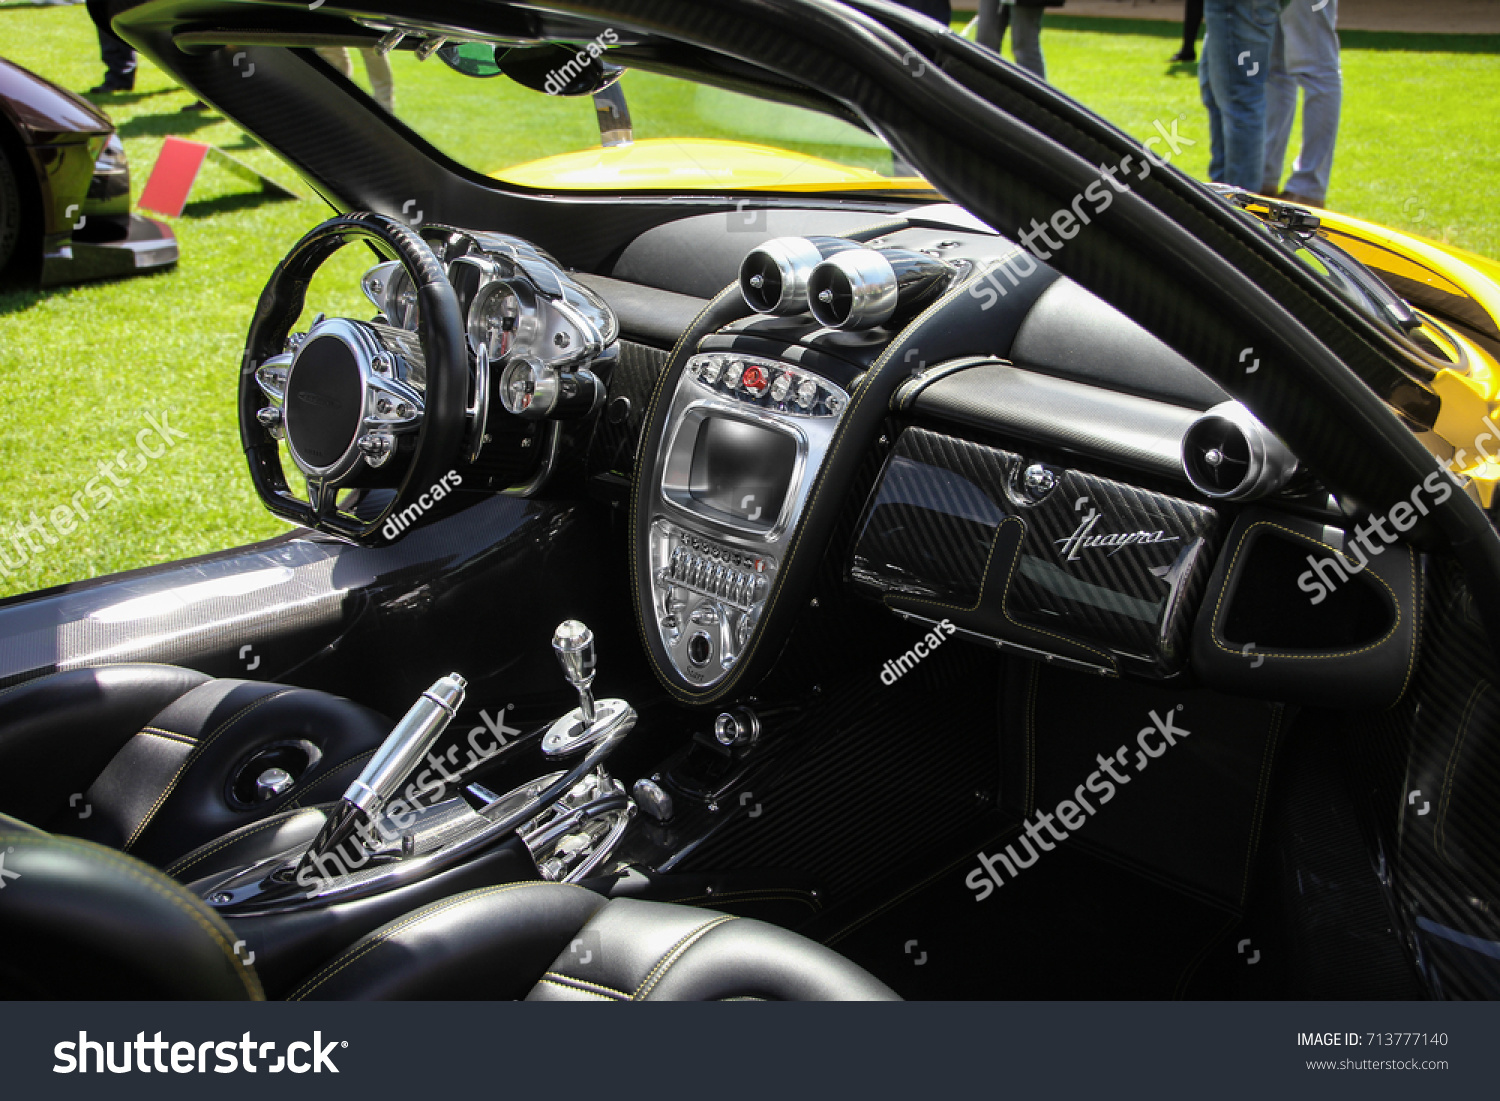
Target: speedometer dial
[{"x": 503, "y": 315}]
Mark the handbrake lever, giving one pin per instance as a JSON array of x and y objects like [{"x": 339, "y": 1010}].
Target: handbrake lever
[{"x": 382, "y": 778}]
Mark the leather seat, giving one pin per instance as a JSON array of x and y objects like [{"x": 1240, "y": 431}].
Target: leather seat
[
  {"x": 87, "y": 922},
  {"x": 559, "y": 942},
  {"x": 98, "y": 924},
  {"x": 142, "y": 757}
]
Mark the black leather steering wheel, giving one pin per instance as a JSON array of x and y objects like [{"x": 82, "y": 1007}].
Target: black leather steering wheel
[{"x": 340, "y": 376}]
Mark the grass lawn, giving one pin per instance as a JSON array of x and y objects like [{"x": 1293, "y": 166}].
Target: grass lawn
[{"x": 82, "y": 366}]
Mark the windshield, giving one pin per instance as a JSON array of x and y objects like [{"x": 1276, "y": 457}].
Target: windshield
[{"x": 645, "y": 132}]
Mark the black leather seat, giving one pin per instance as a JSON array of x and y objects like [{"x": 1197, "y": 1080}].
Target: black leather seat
[
  {"x": 558, "y": 942},
  {"x": 142, "y": 757},
  {"x": 98, "y": 924}
]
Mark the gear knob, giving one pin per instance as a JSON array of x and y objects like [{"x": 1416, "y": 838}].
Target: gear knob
[{"x": 573, "y": 643}]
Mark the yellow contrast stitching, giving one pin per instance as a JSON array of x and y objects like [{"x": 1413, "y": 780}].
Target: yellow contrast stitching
[
  {"x": 432, "y": 910},
  {"x": 203, "y": 853},
  {"x": 674, "y": 954},
  {"x": 350, "y": 763},
  {"x": 596, "y": 988},
  {"x": 795, "y": 541},
  {"x": 578, "y": 989},
  {"x": 170, "y": 735},
  {"x": 1440, "y": 829},
  {"x": 1218, "y": 604},
  {"x": 247, "y": 977},
  {"x": 984, "y": 578},
  {"x": 192, "y": 758}
]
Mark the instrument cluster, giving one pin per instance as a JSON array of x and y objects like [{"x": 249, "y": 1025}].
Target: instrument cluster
[{"x": 530, "y": 326}]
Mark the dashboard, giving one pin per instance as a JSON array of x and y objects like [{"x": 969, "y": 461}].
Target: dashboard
[{"x": 1010, "y": 455}]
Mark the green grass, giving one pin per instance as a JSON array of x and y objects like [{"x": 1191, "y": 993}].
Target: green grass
[{"x": 81, "y": 366}]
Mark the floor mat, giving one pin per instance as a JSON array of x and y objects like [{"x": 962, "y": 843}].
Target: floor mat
[{"x": 1073, "y": 925}]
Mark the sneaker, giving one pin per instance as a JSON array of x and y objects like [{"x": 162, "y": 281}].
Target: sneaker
[
  {"x": 1184, "y": 56},
  {"x": 1303, "y": 200},
  {"x": 111, "y": 86}
]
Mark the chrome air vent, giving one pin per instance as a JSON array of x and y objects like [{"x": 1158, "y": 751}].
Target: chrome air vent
[
  {"x": 773, "y": 276},
  {"x": 1228, "y": 454},
  {"x": 870, "y": 287}
]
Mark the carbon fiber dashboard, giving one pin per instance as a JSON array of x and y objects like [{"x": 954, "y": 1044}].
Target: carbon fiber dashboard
[{"x": 1066, "y": 565}]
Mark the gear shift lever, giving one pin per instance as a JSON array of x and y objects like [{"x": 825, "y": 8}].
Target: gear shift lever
[
  {"x": 573, "y": 643},
  {"x": 590, "y": 721}
]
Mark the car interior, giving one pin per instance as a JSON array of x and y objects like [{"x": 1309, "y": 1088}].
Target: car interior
[{"x": 792, "y": 596}]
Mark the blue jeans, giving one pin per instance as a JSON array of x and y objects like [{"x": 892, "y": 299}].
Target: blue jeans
[
  {"x": 1305, "y": 55},
  {"x": 1236, "y": 60}
]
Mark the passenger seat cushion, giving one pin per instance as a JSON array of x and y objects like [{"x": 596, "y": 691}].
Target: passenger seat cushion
[
  {"x": 85, "y": 921},
  {"x": 559, "y": 942}
]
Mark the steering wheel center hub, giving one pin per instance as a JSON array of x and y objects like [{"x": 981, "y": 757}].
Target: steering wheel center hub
[{"x": 325, "y": 398}]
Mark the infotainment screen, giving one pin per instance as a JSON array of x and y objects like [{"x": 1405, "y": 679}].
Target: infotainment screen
[{"x": 742, "y": 469}]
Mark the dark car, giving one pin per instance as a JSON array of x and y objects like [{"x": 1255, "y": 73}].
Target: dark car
[
  {"x": 1051, "y": 578},
  {"x": 65, "y": 191}
]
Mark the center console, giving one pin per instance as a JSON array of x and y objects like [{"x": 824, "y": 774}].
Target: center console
[{"x": 746, "y": 437}]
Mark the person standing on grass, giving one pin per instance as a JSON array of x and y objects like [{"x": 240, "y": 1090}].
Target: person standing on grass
[
  {"x": 117, "y": 54},
  {"x": 1232, "y": 81},
  {"x": 1192, "y": 20},
  {"x": 1305, "y": 54},
  {"x": 1024, "y": 17}
]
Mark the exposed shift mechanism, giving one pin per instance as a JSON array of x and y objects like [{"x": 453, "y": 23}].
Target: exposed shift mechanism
[
  {"x": 591, "y": 721},
  {"x": 573, "y": 643}
]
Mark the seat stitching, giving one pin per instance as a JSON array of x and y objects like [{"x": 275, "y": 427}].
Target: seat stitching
[
  {"x": 580, "y": 989},
  {"x": 559, "y": 979},
  {"x": 356, "y": 759},
  {"x": 172, "y": 735},
  {"x": 1004, "y": 592},
  {"x": 247, "y": 977},
  {"x": 1338, "y": 554},
  {"x": 674, "y": 954},
  {"x": 416, "y": 918},
  {"x": 1440, "y": 828},
  {"x": 202, "y": 853},
  {"x": 192, "y": 759},
  {"x": 874, "y": 230}
]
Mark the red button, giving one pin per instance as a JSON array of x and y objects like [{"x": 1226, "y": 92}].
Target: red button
[{"x": 755, "y": 380}]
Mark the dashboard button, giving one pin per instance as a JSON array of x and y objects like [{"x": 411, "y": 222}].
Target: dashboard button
[{"x": 700, "y": 649}]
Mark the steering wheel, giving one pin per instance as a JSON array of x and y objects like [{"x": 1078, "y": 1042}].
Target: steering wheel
[{"x": 359, "y": 405}]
